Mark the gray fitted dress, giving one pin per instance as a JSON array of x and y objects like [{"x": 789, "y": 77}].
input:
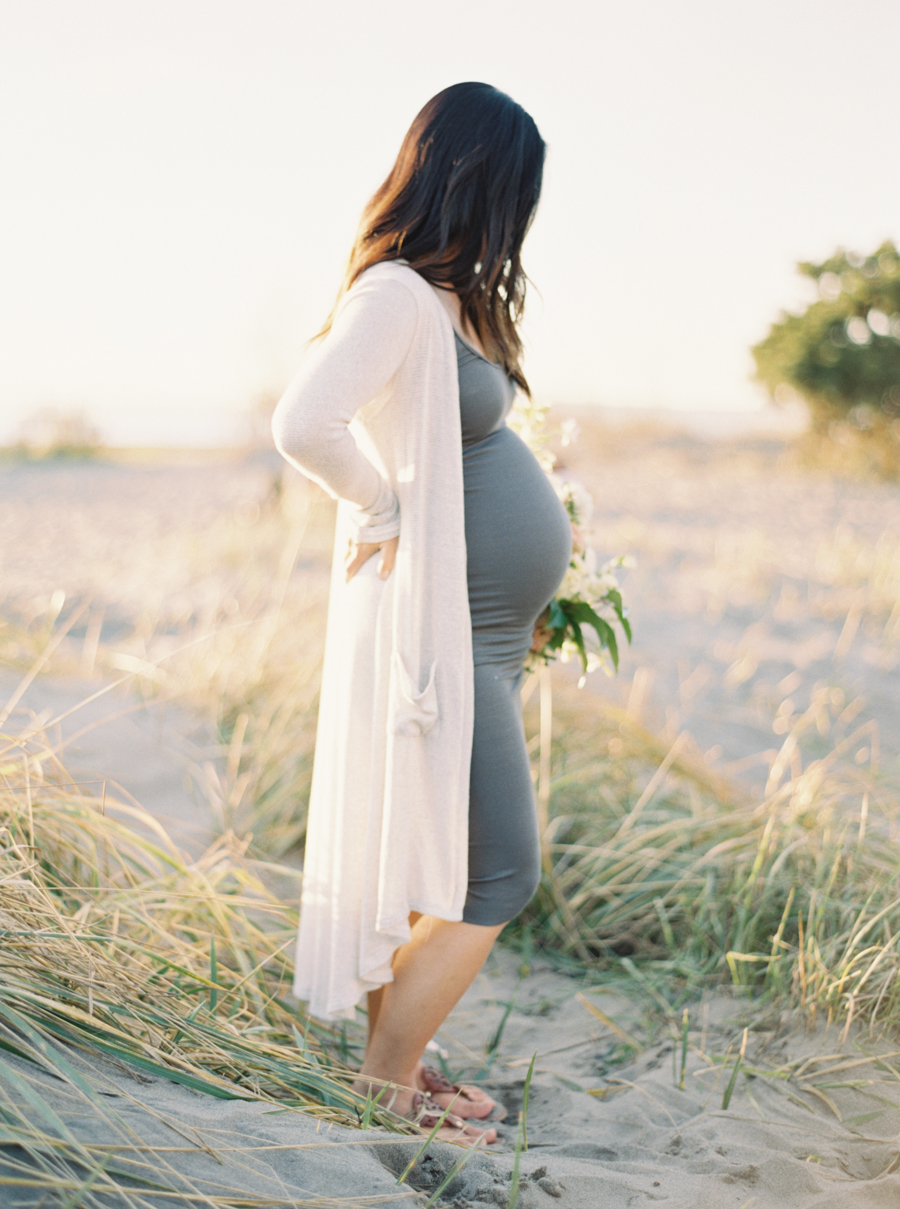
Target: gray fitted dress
[{"x": 518, "y": 546}]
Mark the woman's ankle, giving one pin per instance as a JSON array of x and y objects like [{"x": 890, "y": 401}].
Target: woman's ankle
[
  {"x": 392, "y": 1095},
  {"x": 382, "y": 1070}
]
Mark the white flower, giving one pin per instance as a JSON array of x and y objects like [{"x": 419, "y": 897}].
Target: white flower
[
  {"x": 577, "y": 500},
  {"x": 582, "y": 502},
  {"x": 568, "y": 432},
  {"x": 604, "y": 583},
  {"x": 528, "y": 420},
  {"x": 575, "y": 583},
  {"x": 585, "y": 581},
  {"x": 567, "y": 651},
  {"x": 595, "y": 661}
]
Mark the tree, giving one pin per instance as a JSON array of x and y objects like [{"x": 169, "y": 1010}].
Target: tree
[{"x": 842, "y": 354}]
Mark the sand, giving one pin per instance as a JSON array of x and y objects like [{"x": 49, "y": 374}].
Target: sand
[
  {"x": 148, "y": 754},
  {"x": 607, "y": 1122},
  {"x": 756, "y": 582},
  {"x": 757, "y": 585},
  {"x": 737, "y": 608},
  {"x": 612, "y": 1133},
  {"x": 601, "y": 1132}
]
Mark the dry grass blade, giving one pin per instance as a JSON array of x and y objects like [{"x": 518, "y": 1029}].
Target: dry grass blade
[
  {"x": 789, "y": 894},
  {"x": 608, "y": 1021},
  {"x": 106, "y": 933}
]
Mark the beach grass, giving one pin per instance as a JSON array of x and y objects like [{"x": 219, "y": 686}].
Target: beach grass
[
  {"x": 655, "y": 864},
  {"x": 121, "y": 943},
  {"x": 656, "y": 858},
  {"x": 115, "y": 948},
  {"x": 661, "y": 869}
]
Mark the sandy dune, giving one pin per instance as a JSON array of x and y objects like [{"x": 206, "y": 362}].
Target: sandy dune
[
  {"x": 619, "y": 1134},
  {"x": 599, "y": 1134},
  {"x": 815, "y": 1127},
  {"x": 757, "y": 586},
  {"x": 146, "y": 754},
  {"x": 758, "y": 583}
]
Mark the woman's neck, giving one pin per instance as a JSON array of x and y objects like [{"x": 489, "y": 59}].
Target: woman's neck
[{"x": 450, "y": 301}]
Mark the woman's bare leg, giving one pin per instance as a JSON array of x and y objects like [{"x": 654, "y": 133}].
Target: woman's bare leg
[
  {"x": 373, "y": 1000},
  {"x": 431, "y": 973},
  {"x": 475, "y": 1103}
]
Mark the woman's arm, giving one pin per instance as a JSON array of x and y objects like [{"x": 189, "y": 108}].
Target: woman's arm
[{"x": 364, "y": 349}]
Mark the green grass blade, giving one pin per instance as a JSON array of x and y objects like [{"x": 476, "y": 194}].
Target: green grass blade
[{"x": 726, "y": 1098}]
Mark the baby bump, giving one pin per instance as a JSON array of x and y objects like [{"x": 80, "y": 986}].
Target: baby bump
[{"x": 518, "y": 543}]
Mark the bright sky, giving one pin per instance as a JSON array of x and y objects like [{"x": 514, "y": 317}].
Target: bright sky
[{"x": 181, "y": 180}]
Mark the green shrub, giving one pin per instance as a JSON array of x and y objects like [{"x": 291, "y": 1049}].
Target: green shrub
[{"x": 842, "y": 354}]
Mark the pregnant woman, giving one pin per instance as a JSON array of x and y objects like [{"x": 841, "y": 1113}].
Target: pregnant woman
[{"x": 422, "y": 841}]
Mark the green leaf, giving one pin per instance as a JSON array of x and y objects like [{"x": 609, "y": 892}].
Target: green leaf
[
  {"x": 614, "y": 596},
  {"x": 607, "y": 637},
  {"x": 557, "y": 618},
  {"x": 578, "y": 639}
]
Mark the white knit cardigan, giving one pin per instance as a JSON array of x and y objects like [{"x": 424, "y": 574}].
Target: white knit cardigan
[{"x": 373, "y": 417}]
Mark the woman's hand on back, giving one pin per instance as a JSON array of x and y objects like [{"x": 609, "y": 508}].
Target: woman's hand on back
[{"x": 359, "y": 553}]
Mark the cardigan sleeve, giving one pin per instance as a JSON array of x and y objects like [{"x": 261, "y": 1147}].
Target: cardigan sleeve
[{"x": 367, "y": 344}]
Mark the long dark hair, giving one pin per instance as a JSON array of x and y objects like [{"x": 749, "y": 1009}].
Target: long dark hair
[{"x": 456, "y": 206}]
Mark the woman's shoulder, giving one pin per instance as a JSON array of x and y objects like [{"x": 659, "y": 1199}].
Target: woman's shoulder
[
  {"x": 383, "y": 304},
  {"x": 392, "y": 277},
  {"x": 391, "y": 294}
]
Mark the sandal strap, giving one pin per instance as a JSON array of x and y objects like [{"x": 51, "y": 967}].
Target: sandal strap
[
  {"x": 426, "y": 1113},
  {"x": 438, "y": 1084},
  {"x": 435, "y": 1081}
]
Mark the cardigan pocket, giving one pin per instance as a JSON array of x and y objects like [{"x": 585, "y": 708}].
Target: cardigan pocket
[{"x": 413, "y": 711}]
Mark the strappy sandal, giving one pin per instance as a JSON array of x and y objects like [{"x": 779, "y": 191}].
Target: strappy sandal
[
  {"x": 438, "y": 1084},
  {"x": 427, "y": 1113}
]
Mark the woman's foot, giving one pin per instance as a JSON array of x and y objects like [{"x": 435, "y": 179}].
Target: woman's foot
[
  {"x": 467, "y": 1100},
  {"x": 422, "y": 1110},
  {"x": 426, "y": 1113}
]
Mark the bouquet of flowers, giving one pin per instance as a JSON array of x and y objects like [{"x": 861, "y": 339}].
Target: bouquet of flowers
[{"x": 580, "y": 618}]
